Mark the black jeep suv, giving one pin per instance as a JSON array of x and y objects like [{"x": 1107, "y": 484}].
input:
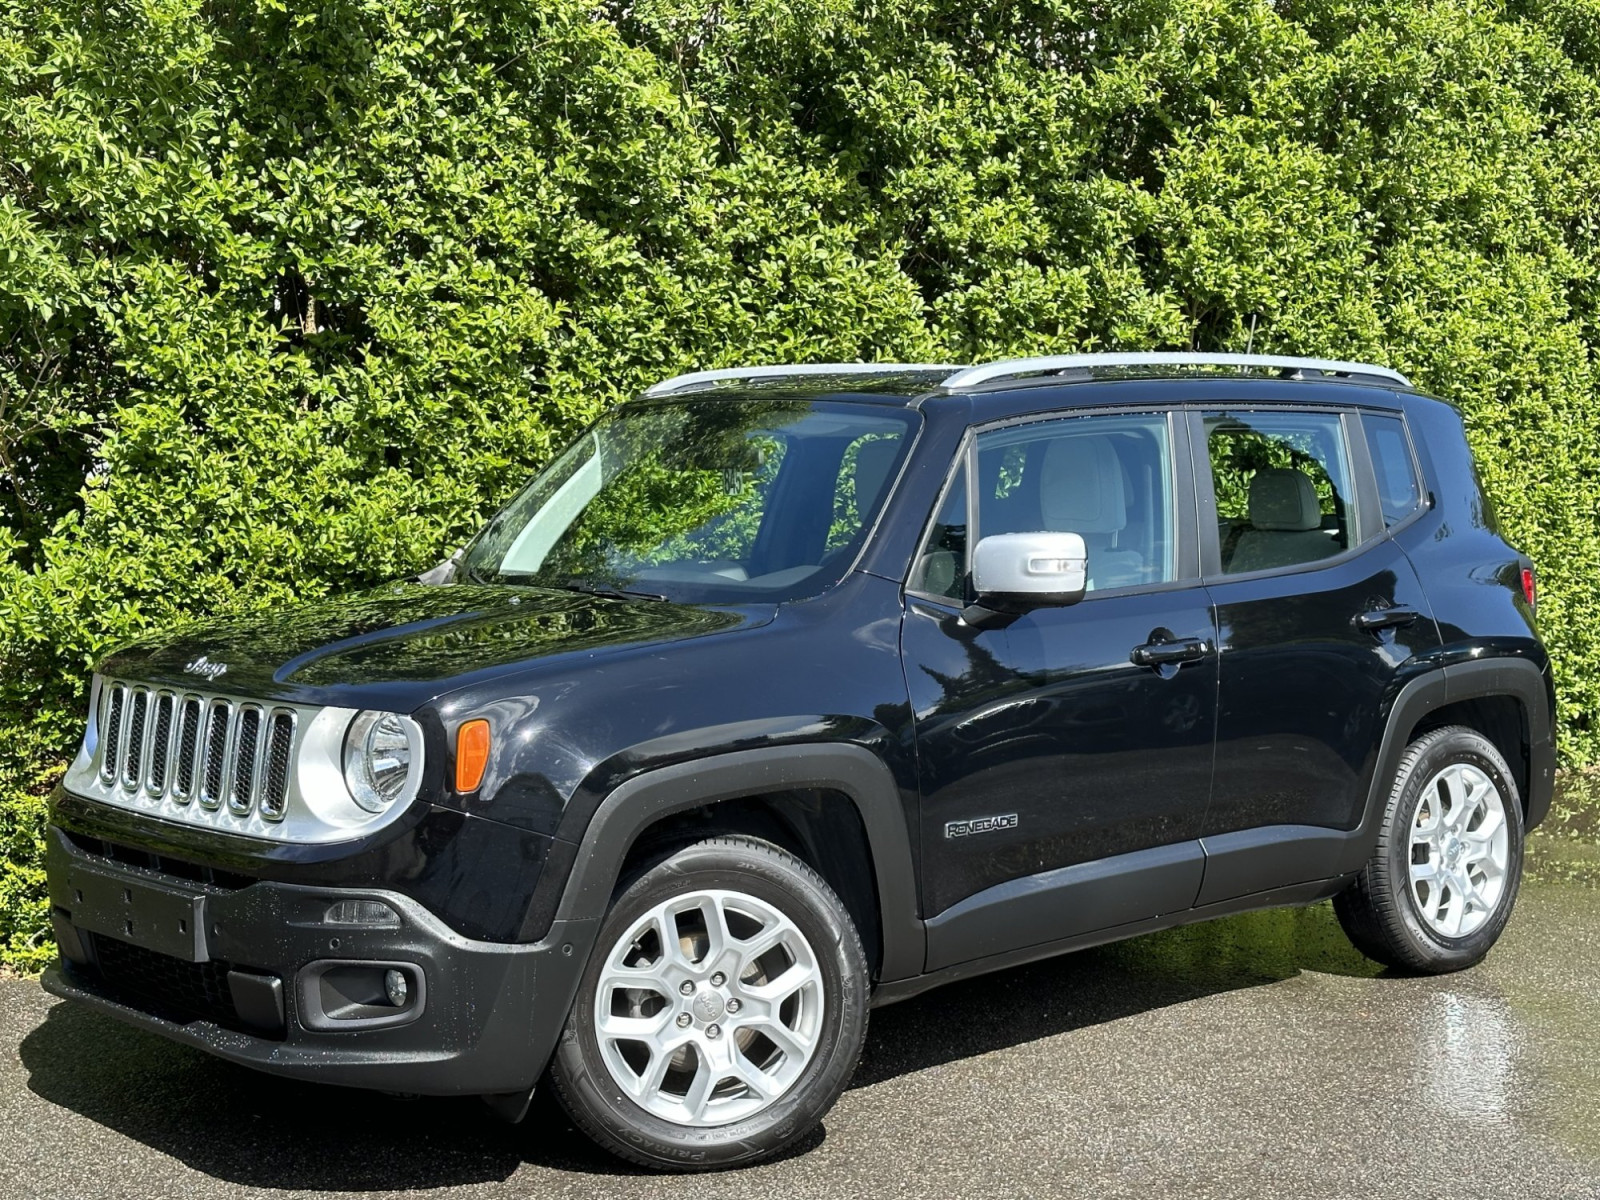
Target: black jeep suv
[{"x": 785, "y": 692}]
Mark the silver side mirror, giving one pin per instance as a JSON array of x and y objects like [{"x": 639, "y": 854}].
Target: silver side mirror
[{"x": 1030, "y": 570}]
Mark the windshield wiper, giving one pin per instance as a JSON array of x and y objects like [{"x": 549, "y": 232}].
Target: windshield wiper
[
  {"x": 593, "y": 588},
  {"x": 589, "y": 587}
]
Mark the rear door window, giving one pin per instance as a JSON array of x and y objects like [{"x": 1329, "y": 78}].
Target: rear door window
[{"x": 1283, "y": 489}]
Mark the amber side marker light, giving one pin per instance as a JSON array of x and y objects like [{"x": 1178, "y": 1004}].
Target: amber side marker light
[{"x": 472, "y": 755}]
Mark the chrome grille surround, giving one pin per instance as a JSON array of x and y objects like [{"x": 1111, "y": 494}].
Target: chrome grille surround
[
  {"x": 246, "y": 744},
  {"x": 116, "y": 709},
  {"x": 213, "y": 739},
  {"x": 254, "y": 768},
  {"x": 188, "y": 746}
]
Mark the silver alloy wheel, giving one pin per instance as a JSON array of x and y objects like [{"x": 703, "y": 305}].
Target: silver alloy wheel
[
  {"x": 709, "y": 1008},
  {"x": 1459, "y": 851}
]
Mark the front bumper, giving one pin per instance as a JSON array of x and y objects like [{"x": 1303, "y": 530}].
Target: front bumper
[{"x": 236, "y": 971}]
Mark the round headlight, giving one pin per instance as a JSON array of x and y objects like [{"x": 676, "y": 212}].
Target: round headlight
[{"x": 377, "y": 759}]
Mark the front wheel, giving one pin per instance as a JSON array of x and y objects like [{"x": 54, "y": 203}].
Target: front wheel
[
  {"x": 722, "y": 1013},
  {"x": 1439, "y": 887}
]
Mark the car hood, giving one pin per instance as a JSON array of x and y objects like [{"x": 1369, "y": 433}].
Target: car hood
[{"x": 400, "y": 645}]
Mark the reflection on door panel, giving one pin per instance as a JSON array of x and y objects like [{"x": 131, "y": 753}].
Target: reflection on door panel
[{"x": 1047, "y": 717}]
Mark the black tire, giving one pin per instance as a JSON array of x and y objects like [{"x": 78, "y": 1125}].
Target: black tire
[
  {"x": 1379, "y": 911},
  {"x": 585, "y": 1086}
]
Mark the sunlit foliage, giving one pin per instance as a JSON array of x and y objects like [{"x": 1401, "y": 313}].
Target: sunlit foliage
[{"x": 292, "y": 296}]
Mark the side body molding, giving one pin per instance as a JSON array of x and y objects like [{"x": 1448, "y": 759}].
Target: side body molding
[
  {"x": 1066, "y": 902},
  {"x": 852, "y": 770},
  {"x": 1064, "y": 909}
]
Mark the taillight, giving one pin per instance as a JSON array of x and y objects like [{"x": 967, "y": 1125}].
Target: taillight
[{"x": 1530, "y": 588}]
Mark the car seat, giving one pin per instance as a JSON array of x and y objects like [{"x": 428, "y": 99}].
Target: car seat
[
  {"x": 1285, "y": 524},
  {"x": 1081, "y": 491}
]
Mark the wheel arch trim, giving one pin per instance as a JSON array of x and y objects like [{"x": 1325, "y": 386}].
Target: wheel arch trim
[
  {"x": 1501, "y": 675},
  {"x": 858, "y": 773}
]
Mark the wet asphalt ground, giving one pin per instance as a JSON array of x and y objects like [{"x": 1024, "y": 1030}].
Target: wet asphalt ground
[{"x": 1253, "y": 1057}]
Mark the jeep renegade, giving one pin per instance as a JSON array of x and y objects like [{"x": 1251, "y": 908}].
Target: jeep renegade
[{"x": 787, "y": 692}]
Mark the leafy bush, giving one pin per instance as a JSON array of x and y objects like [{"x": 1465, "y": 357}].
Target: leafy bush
[{"x": 291, "y": 296}]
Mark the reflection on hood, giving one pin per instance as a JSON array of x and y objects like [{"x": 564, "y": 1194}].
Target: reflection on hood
[{"x": 411, "y": 633}]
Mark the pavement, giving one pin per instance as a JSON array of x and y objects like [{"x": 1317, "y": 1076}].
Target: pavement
[{"x": 1254, "y": 1057}]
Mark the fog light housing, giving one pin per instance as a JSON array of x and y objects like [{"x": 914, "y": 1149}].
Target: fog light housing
[
  {"x": 352, "y": 994},
  {"x": 396, "y": 987},
  {"x": 371, "y": 914}
]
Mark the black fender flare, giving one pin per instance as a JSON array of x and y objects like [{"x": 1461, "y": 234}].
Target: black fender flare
[
  {"x": 853, "y": 770},
  {"x": 1505, "y": 675}
]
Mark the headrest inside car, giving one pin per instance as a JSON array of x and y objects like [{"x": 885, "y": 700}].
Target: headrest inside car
[
  {"x": 873, "y": 460},
  {"x": 1283, "y": 499},
  {"x": 1081, "y": 486}
]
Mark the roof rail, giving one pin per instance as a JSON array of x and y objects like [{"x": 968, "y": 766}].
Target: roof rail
[
  {"x": 966, "y": 378},
  {"x": 1012, "y": 368},
  {"x": 696, "y": 380}
]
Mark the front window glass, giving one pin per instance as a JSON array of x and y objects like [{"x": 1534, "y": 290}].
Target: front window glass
[
  {"x": 941, "y": 566},
  {"x": 1282, "y": 482},
  {"x": 1107, "y": 478},
  {"x": 709, "y": 500},
  {"x": 864, "y": 475}
]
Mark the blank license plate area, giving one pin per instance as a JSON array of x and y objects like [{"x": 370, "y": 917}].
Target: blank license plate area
[{"x": 153, "y": 915}]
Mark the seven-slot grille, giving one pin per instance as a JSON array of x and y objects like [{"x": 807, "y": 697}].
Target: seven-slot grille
[{"x": 210, "y": 750}]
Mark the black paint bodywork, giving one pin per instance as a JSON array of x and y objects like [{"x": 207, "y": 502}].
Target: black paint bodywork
[{"x": 1144, "y": 797}]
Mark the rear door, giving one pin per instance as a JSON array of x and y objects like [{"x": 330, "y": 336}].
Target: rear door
[{"x": 1317, "y": 611}]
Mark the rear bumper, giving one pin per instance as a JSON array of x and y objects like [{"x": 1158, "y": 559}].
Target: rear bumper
[
  {"x": 1542, "y": 754},
  {"x": 482, "y": 1017},
  {"x": 1541, "y": 781}
]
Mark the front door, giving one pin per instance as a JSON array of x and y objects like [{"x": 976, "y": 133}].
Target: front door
[{"x": 1042, "y": 743}]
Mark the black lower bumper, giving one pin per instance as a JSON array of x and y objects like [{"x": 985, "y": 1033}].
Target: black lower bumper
[
  {"x": 1541, "y": 781},
  {"x": 261, "y": 975}
]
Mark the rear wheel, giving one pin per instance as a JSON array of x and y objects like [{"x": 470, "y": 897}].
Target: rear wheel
[
  {"x": 1442, "y": 880},
  {"x": 722, "y": 1014}
]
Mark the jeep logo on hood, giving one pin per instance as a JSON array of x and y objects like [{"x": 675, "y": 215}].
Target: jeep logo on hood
[{"x": 204, "y": 666}]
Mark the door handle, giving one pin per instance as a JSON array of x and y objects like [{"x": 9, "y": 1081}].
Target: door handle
[
  {"x": 1375, "y": 619},
  {"x": 1161, "y": 654}
]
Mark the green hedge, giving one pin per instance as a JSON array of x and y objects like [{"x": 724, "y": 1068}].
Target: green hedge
[{"x": 292, "y": 295}]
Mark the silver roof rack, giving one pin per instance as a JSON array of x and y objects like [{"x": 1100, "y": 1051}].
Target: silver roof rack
[
  {"x": 965, "y": 378},
  {"x": 696, "y": 380},
  {"x": 1016, "y": 367}
]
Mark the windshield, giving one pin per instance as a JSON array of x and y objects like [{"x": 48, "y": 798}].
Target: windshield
[{"x": 710, "y": 500}]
